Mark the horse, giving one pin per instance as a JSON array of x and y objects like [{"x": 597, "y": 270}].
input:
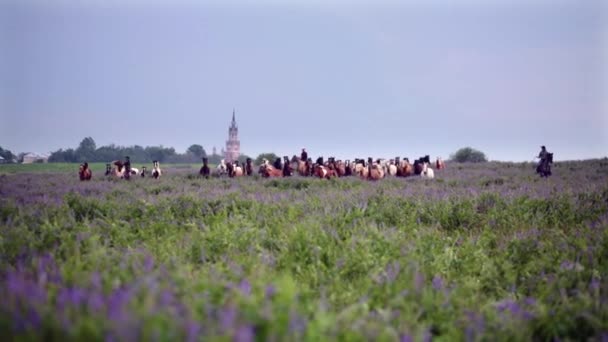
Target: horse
[
  {"x": 340, "y": 168},
  {"x": 108, "y": 169},
  {"x": 156, "y": 172},
  {"x": 248, "y": 167},
  {"x": 392, "y": 168},
  {"x": 544, "y": 168},
  {"x": 348, "y": 171},
  {"x": 119, "y": 169},
  {"x": 237, "y": 170},
  {"x": 267, "y": 170},
  {"x": 303, "y": 167},
  {"x": 84, "y": 172},
  {"x": 418, "y": 166},
  {"x": 323, "y": 171},
  {"x": 221, "y": 169},
  {"x": 360, "y": 168},
  {"x": 427, "y": 172},
  {"x": 440, "y": 164},
  {"x": 143, "y": 172},
  {"x": 405, "y": 169},
  {"x": 287, "y": 170},
  {"x": 375, "y": 171},
  {"x": 234, "y": 170},
  {"x": 204, "y": 171},
  {"x": 278, "y": 164}
]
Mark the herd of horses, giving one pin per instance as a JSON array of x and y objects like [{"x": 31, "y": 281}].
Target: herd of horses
[
  {"x": 119, "y": 169},
  {"x": 331, "y": 168}
]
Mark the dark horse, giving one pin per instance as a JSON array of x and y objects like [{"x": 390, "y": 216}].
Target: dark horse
[
  {"x": 248, "y": 167},
  {"x": 544, "y": 167},
  {"x": 84, "y": 172},
  {"x": 204, "y": 171}
]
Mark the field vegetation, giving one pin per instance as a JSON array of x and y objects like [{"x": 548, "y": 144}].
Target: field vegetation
[{"x": 486, "y": 251}]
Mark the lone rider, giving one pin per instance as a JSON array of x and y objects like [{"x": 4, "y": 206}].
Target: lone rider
[{"x": 544, "y": 159}]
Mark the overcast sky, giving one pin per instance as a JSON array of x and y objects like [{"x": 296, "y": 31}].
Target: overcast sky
[{"x": 343, "y": 78}]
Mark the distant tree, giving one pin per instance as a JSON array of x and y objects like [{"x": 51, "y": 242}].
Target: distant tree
[
  {"x": 7, "y": 155},
  {"x": 215, "y": 158},
  {"x": 86, "y": 150},
  {"x": 62, "y": 156},
  {"x": 160, "y": 153},
  {"x": 197, "y": 150},
  {"x": 108, "y": 153},
  {"x": 468, "y": 154},
  {"x": 270, "y": 156}
]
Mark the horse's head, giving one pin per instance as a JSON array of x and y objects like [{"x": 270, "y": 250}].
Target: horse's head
[{"x": 119, "y": 165}]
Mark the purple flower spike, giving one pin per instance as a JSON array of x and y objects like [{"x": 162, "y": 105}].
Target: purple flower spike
[
  {"x": 270, "y": 291},
  {"x": 227, "y": 318},
  {"x": 244, "y": 333},
  {"x": 245, "y": 287},
  {"x": 437, "y": 283},
  {"x": 193, "y": 330},
  {"x": 406, "y": 338}
]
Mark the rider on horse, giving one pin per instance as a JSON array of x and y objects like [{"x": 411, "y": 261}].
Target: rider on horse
[{"x": 545, "y": 159}]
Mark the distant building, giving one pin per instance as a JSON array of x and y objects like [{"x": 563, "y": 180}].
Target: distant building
[
  {"x": 233, "y": 145},
  {"x": 30, "y": 158},
  {"x": 2, "y": 160}
]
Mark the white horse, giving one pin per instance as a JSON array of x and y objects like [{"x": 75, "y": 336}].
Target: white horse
[
  {"x": 427, "y": 172},
  {"x": 156, "y": 172},
  {"x": 221, "y": 169},
  {"x": 392, "y": 168}
]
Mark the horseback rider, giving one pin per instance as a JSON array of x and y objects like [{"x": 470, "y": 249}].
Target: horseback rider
[
  {"x": 543, "y": 164},
  {"x": 304, "y": 155},
  {"x": 127, "y": 166}
]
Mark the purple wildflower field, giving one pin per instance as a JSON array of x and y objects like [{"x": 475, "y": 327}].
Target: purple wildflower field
[{"x": 485, "y": 251}]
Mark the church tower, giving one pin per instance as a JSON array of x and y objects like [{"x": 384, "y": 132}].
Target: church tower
[{"x": 233, "y": 145}]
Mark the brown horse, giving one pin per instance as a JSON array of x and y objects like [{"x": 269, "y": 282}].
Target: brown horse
[
  {"x": 304, "y": 168},
  {"x": 405, "y": 169},
  {"x": 267, "y": 170},
  {"x": 84, "y": 172},
  {"x": 375, "y": 171},
  {"x": 323, "y": 171},
  {"x": 440, "y": 164},
  {"x": 340, "y": 168}
]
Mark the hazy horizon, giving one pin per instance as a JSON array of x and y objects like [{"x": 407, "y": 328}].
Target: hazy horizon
[{"x": 346, "y": 79}]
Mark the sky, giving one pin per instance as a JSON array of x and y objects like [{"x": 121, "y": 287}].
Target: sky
[{"x": 340, "y": 78}]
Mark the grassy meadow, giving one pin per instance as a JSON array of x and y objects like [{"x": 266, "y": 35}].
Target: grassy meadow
[{"x": 484, "y": 252}]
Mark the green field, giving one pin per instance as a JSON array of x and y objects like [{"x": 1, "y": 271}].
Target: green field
[{"x": 484, "y": 252}]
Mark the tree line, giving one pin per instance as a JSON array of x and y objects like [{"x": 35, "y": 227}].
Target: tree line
[{"x": 88, "y": 151}]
